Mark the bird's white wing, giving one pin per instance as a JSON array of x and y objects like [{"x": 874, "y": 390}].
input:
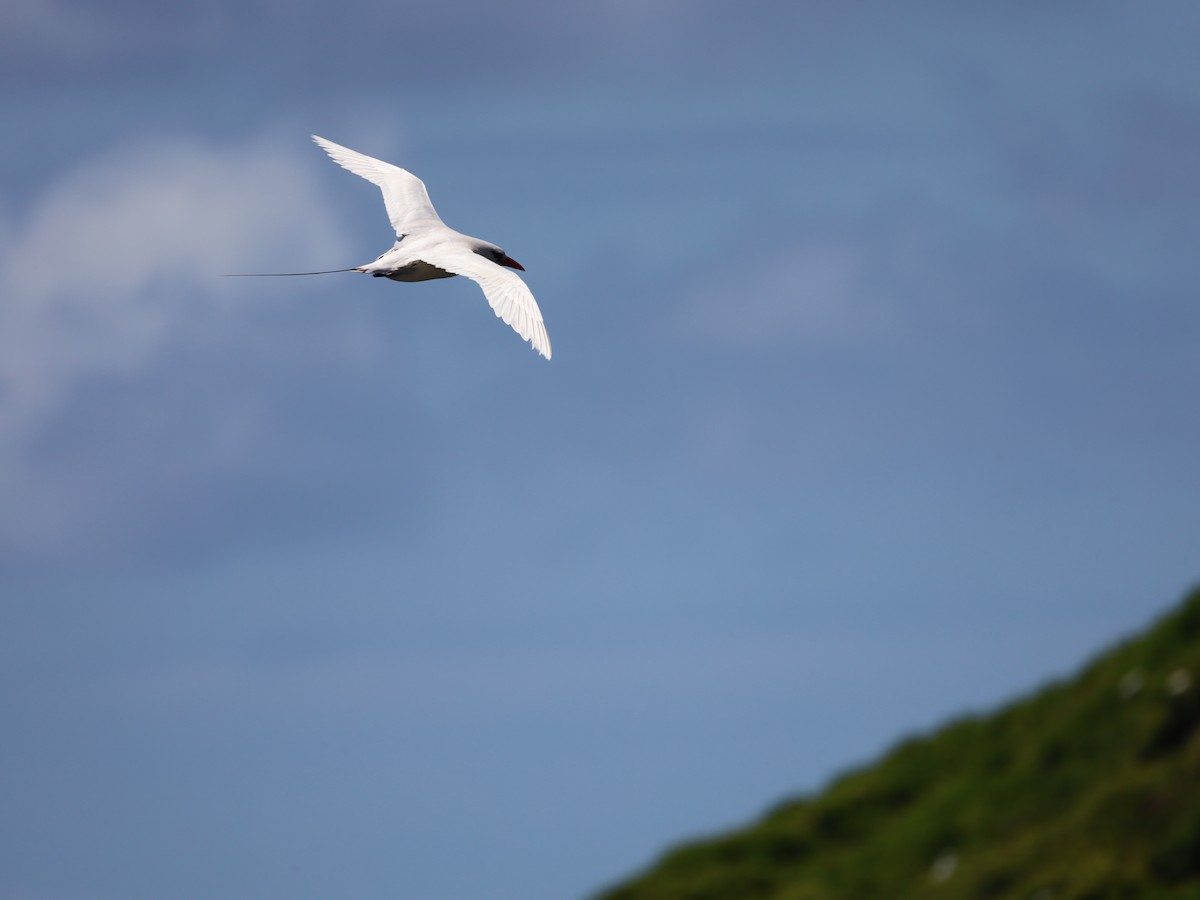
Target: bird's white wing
[
  {"x": 404, "y": 193},
  {"x": 508, "y": 295}
]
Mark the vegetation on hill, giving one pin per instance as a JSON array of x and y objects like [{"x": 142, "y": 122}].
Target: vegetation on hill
[{"x": 1088, "y": 790}]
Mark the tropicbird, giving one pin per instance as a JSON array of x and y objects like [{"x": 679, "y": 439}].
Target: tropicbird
[{"x": 426, "y": 248}]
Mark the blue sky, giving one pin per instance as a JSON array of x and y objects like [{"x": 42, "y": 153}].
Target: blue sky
[{"x": 873, "y": 400}]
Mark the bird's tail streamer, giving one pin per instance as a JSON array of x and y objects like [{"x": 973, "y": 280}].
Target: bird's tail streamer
[{"x": 282, "y": 274}]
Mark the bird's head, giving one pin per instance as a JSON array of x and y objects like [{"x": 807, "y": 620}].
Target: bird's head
[{"x": 498, "y": 256}]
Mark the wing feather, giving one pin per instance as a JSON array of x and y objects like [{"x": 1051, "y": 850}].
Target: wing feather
[
  {"x": 404, "y": 194},
  {"x": 507, "y": 294}
]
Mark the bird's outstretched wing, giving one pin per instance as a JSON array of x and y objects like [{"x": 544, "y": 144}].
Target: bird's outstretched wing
[
  {"x": 508, "y": 295},
  {"x": 404, "y": 193}
]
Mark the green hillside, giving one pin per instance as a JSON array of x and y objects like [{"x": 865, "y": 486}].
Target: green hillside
[{"x": 1088, "y": 789}]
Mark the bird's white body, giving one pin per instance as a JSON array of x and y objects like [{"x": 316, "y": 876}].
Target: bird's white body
[
  {"x": 406, "y": 260},
  {"x": 426, "y": 248}
]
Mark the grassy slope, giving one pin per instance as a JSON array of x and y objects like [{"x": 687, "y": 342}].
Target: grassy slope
[{"x": 1088, "y": 789}]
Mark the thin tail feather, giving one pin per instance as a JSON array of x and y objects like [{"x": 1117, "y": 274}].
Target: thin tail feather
[{"x": 282, "y": 274}]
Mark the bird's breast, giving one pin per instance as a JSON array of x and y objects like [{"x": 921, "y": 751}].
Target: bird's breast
[{"x": 419, "y": 270}]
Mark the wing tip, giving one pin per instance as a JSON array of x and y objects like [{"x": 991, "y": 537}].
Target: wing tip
[{"x": 541, "y": 341}]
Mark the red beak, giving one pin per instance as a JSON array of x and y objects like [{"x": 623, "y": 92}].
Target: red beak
[{"x": 511, "y": 263}]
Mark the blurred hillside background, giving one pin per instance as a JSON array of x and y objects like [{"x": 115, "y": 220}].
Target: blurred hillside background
[
  {"x": 1086, "y": 790},
  {"x": 873, "y": 400}
]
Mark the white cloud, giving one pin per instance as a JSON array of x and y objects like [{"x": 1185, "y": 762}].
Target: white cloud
[
  {"x": 88, "y": 274},
  {"x": 112, "y": 264}
]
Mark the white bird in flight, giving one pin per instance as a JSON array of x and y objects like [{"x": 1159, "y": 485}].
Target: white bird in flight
[{"x": 426, "y": 248}]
